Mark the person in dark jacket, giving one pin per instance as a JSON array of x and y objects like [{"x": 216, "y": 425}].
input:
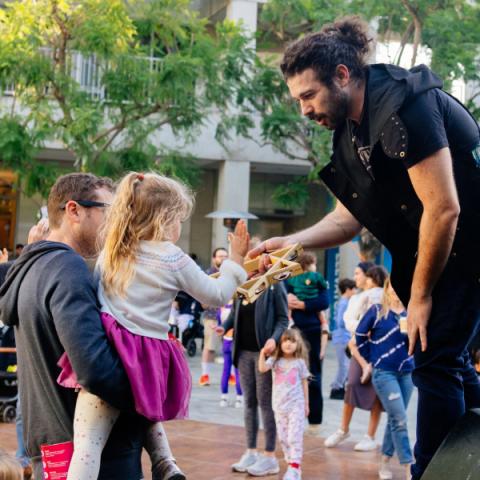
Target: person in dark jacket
[
  {"x": 256, "y": 326},
  {"x": 64, "y": 316},
  {"x": 405, "y": 165}
]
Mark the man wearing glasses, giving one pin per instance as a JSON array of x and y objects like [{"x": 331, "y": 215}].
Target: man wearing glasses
[{"x": 50, "y": 297}]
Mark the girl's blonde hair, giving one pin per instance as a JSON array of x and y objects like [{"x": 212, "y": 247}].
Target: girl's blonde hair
[
  {"x": 146, "y": 207},
  {"x": 10, "y": 468},
  {"x": 294, "y": 335},
  {"x": 388, "y": 296}
]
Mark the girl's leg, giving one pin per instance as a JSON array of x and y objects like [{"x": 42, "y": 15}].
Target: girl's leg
[
  {"x": 247, "y": 367},
  {"x": 227, "y": 367},
  {"x": 161, "y": 456},
  {"x": 281, "y": 422},
  {"x": 238, "y": 386},
  {"x": 92, "y": 425},
  {"x": 296, "y": 427},
  {"x": 347, "y": 415}
]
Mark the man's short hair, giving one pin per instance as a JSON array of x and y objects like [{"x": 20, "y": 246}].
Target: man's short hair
[
  {"x": 73, "y": 186},
  {"x": 346, "y": 284},
  {"x": 218, "y": 249}
]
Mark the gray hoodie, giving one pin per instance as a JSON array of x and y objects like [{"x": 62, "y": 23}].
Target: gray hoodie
[{"x": 50, "y": 297}]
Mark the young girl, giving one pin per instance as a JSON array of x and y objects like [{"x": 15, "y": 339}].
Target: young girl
[
  {"x": 141, "y": 272},
  {"x": 10, "y": 468},
  {"x": 227, "y": 377},
  {"x": 290, "y": 396},
  {"x": 381, "y": 338}
]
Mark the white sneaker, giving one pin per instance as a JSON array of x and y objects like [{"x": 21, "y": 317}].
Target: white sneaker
[
  {"x": 366, "y": 444},
  {"x": 293, "y": 474},
  {"x": 264, "y": 466},
  {"x": 223, "y": 403},
  {"x": 336, "y": 438},
  {"x": 248, "y": 459},
  {"x": 384, "y": 472},
  {"x": 239, "y": 402}
]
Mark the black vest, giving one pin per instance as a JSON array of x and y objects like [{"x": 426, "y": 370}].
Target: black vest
[{"x": 387, "y": 204}]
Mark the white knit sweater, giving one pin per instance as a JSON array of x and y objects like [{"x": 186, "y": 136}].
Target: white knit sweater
[{"x": 161, "y": 270}]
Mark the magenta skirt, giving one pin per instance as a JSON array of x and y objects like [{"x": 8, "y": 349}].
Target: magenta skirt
[{"x": 157, "y": 370}]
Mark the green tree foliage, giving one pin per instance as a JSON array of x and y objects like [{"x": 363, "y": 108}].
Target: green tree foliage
[{"x": 110, "y": 120}]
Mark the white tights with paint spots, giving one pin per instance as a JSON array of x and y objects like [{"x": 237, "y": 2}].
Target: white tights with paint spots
[{"x": 94, "y": 419}]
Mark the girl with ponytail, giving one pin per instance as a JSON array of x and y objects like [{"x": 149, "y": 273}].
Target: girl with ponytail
[{"x": 141, "y": 271}]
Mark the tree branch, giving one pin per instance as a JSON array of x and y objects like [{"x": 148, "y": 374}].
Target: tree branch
[{"x": 417, "y": 37}]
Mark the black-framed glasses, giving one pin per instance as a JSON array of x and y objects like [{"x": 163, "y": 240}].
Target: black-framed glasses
[{"x": 86, "y": 204}]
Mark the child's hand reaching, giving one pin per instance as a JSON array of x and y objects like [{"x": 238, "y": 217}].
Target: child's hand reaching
[{"x": 239, "y": 241}]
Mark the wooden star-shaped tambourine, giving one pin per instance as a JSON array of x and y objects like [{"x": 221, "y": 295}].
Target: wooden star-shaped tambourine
[{"x": 284, "y": 265}]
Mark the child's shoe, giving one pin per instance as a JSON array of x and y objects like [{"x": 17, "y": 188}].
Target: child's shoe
[
  {"x": 204, "y": 381},
  {"x": 239, "y": 402},
  {"x": 366, "y": 444},
  {"x": 293, "y": 473},
  {"x": 265, "y": 465},
  {"x": 223, "y": 402},
  {"x": 232, "y": 381}
]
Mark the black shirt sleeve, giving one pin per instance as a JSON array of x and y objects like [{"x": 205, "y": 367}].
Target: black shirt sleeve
[{"x": 425, "y": 125}]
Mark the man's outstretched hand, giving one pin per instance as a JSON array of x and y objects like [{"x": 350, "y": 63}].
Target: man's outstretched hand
[{"x": 261, "y": 251}]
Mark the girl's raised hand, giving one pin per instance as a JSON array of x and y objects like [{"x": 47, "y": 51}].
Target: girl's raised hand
[{"x": 239, "y": 241}]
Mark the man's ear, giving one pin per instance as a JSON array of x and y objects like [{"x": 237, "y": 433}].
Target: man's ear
[
  {"x": 71, "y": 211},
  {"x": 342, "y": 75}
]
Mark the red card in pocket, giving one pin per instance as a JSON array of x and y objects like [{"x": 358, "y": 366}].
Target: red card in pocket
[{"x": 56, "y": 460}]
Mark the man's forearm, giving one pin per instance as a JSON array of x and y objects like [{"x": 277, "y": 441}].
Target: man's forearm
[
  {"x": 437, "y": 232},
  {"x": 334, "y": 229}
]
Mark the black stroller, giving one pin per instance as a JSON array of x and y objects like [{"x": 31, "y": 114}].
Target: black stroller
[
  {"x": 8, "y": 376},
  {"x": 194, "y": 329}
]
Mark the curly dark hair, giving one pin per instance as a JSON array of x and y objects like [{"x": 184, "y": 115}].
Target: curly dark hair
[{"x": 347, "y": 41}]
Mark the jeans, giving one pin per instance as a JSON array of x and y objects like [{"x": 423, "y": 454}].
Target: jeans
[
  {"x": 21, "y": 454},
  {"x": 446, "y": 381},
  {"x": 315, "y": 383},
  {"x": 394, "y": 390},
  {"x": 342, "y": 370}
]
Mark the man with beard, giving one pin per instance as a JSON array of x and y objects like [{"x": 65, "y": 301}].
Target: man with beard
[
  {"x": 50, "y": 297},
  {"x": 406, "y": 165}
]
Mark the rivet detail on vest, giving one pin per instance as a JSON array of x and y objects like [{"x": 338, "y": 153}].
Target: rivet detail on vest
[
  {"x": 333, "y": 170},
  {"x": 403, "y": 207},
  {"x": 354, "y": 195},
  {"x": 402, "y": 154},
  {"x": 454, "y": 254}
]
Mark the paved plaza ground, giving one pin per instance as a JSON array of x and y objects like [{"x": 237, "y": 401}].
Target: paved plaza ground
[{"x": 213, "y": 438}]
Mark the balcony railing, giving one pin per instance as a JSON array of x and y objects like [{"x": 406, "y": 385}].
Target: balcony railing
[{"x": 87, "y": 71}]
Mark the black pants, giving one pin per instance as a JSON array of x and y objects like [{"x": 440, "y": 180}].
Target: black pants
[
  {"x": 447, "y": 383},
  {"x": 315, "y": 397}
]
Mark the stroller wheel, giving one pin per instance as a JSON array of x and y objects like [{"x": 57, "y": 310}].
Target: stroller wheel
[
  {"x": 191, "y": 347},
  {"x": 9, "y": 414}
]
